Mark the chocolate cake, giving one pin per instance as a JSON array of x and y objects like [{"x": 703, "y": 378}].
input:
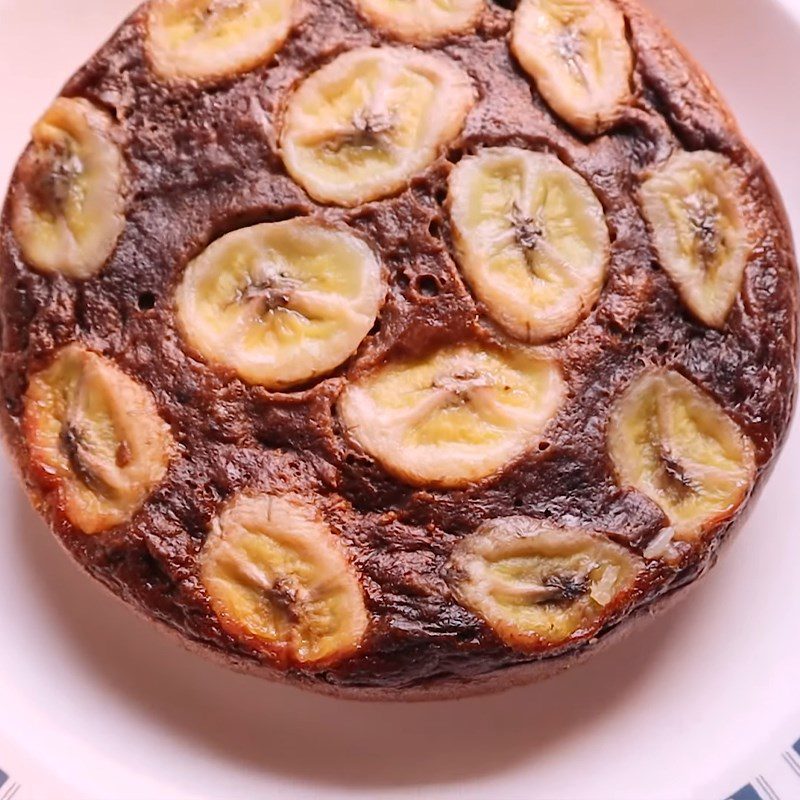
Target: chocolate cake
[{"x": 394, "y": 348}]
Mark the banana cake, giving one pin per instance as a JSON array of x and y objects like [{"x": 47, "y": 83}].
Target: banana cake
[{"x": 394, "y": 348}]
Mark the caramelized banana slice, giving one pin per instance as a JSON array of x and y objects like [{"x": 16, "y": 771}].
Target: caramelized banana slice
[
  {"x": 205, "y": 39},
  {"x": 361, "y": 127},
  {"x": 578, "y": 54},
  {"x": 281, "y": 303},
  {"x": 95, "y": 434},
  {"x": 278, "y": 578},
  {"x": 693, "y": 204},
  {"x": 538, "y": 585},
  {"x": 454, "y": 417},
  {"x": 67, "y": 208},
  {"x": 421, "y": 21},
  {"x": 531, "y": 239},
  {"x": 673, "y": 443}
]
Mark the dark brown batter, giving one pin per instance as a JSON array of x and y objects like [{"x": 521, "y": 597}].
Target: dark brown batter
[{"x": 204, "y": 161}]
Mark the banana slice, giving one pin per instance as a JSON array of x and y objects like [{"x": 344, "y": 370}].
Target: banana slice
[
  {"x": 67, "y": 209},
  {"x": 205, "y": 39},
  {"x": 281, "y": 303},
  {"x": 578, "y": 54},
  {"x": 693, "y": 204},
  {"x": 531, "y": 239},
  {"x": 421, "y": 21},
  {"x": 361, "y": 127},
  {"x": 672, "y": 442},
  {"x": 277, "y": 576},
  {"x": 454, "y": 417},
  {"x": 96, "y": 435},
  {"x": 538, "y": 585}
]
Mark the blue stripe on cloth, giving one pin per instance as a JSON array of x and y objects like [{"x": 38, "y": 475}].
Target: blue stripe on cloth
[{"x": 745, "y": 793}]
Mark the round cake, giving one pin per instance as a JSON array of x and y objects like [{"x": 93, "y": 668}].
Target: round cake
[{"x": 394, "y": 348}]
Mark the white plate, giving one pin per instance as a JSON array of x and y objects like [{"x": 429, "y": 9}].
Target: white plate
[{"x": 95, "y": 704}]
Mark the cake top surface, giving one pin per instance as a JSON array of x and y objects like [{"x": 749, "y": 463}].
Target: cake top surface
[{"x": 380, "y": 341}]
